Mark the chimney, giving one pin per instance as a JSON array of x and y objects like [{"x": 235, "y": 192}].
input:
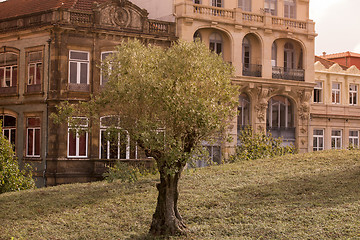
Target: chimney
[{"x": 324, "y": 54}]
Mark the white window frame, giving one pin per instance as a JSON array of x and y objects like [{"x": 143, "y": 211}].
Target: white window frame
[
  {"x": 217, "y": 3},
  {"x": 319, "y": 88},
  {"x": 335, "y": 138},
  {"x": 102, "y": 59},
  {"x": 103, "y": 128},
  {"x": 354, "y": 140},
  {"x": 77, "y": 147},
  {"x": 268, "y": 7},
  {"x": 291, "y": 6},
  {"x": 27, "y": 139},
  {"x": 78, "y": 65},
  {"x": 318, "y": 137},
  {"x": 353, "y": 94},
  {"x": 335, "y": 93},
  {"x": 11, "y": 67}
]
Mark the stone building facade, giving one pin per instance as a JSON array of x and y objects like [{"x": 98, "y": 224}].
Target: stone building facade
[
  {"x": 50, "y": 51},
  {"x": 335, "y": 111},
  {"x": 271, "y": 45}
]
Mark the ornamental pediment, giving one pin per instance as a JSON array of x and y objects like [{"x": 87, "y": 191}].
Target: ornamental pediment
[
  {"x": 336, "y": 68},
  {"x": 353, "y": 70},
  {"x": 121, "y": 14}
]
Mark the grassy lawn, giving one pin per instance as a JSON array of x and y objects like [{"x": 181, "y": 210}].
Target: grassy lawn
[{"x": 304, "y": 196}]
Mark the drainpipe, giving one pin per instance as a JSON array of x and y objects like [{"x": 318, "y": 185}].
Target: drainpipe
[{"x": 47, "y": 114}]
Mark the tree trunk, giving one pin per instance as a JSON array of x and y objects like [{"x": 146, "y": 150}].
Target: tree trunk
[{"x": 167, "y": 219}]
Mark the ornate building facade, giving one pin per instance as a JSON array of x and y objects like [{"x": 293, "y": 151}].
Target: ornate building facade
[
  {"x": 50, "y": 51},
  {"x": 271, "y": 45}
]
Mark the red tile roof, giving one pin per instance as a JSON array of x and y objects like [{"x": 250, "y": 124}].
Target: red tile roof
[
  {"x": 16, "y": 8},
  {"x": 341, "y": 55},
  {"x": 328, "y": 63}
]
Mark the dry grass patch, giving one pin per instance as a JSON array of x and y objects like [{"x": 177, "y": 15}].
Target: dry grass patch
[{"x": 304, "y": 196}]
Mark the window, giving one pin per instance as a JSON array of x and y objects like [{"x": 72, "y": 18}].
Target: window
[
  {"x": 274, "y": 55},
  {"x": 335, "y": 94},
  {"x": 34, "y": 71},
  {"x": 78, "y": 139},
  {"x": 9, "y": 128},
  {"x": 197, "y": 36},
  {"x": 115, "y": 143},
  {"x": 214, "y": 153},
  {"x": 197, "y": 1},
  {"x": 217, "y": 3},
  {"x": 8, "y": 72},
  {"x": 246, "y": 54},
  {"x": 318, "y": 139},
  {"x": 78, "y": 70},
  {"x": 336, "y": 139},
  {"x": 353, "y": 94},
  {"x": 279, "y": 113},
  {"x": 354, "y": 138},
  {"x": 243, "y": 112},
  {"x": 104, "y": 78},
  {"x": 216, "y": 43},
  {"x": 33, "y": 137},
  {"x": 318, "y": 92},
  {"x": 245, "y": 5},
  {"x": 270, "y": 6},
  {"x": 289, "y": 9},
  {"x": 289, "y": 59}
]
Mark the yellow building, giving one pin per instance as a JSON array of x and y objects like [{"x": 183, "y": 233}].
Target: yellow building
[
  {"x": 271, "y": 45},
  {"x": 335, "y": 109}
]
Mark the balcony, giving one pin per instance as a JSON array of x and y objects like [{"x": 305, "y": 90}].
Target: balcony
[
  {"x": 252, "y": 70},
  {"x": 237, "y": 17},
  {"x": 288, "y": 73}
]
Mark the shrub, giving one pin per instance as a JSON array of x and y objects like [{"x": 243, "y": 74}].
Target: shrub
[
  {"x": 259, "y": 145},
  {"x": 127, "y": 172},
  {"x": 11, "y": 177}
]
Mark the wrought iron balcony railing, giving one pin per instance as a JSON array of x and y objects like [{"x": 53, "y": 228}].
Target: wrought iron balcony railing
[
  {"x": 253, "y": 70},
  {"x": 288, "y": 73}
]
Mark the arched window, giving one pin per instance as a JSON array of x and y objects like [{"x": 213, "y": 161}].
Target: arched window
[
  {"x": 8, "y": 72},
  {"x": 245, "y": 5},
  {"x": 289, "y": 9},
  {"x": 216, "y": 43},
  {"x": 246, "y": 47},
  {"x": 9, "y": 128},
  {"x": 270, "y": 6},
  {"x": 274, "y": 55},
  {"x": 289, "y": 58},
  {"x": 197, "y": 36},
  {"x": 243, "y": 118},
  {"x": 279, "y": 113}
]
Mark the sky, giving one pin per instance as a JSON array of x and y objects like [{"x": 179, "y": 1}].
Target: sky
[{"x": 337, "y": 23}]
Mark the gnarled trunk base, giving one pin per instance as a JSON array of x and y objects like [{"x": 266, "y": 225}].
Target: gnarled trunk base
[{"x": 167, "y": 219}]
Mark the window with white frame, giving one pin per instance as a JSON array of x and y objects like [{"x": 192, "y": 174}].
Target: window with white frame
[
  {"x": 290, "y": 8},
  {"x": 318, "y": 92},
  {"x": 105, "y": 78},
  {"x": 8, "y": 69},
  {"x": 336, "y": 139},
  {"x": 354, "y": 138},
  {"x": 115, "y": 142},
  {"x": 245, "y": 5},
  {"x": 217, "y": 3},
  {"x": 216, "y": 43},
  {"x": 335, "y": 93},
  {"x": 78, "y": 139},
  {"x": 33, "y": 137},
  {"x": 270, "y": 6},
  {"x": 280, "y": 113},
  {"x": 34, "y": 71},
  {"x": 318, "y": 139},
  {"x": 353, "y": 92},
  {"x": 78, "y": 67},
  {"x": 9, "y": 128}
]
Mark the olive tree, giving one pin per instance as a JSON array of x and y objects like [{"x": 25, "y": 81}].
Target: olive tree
[{"x": 169, "y": 101}]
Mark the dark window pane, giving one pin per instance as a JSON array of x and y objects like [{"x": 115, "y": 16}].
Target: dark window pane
[
  {"x": 82, "y": 144},
  {"x": 83, "y": 73},
  {"x": 73, "y": 72},
  {"x": 38, "y": 73},
  {"x": 14, "y": 76},
  {"x": 9, "y": 121},
  {"x": 37, "y": 142},
  {"x": 79, "y": 56},
  {"x": 103, "y": 145},
  {"x": 72, "y": 143},
  {"x": 33, "y": 122},
  {"x": 30, "y": 141}
]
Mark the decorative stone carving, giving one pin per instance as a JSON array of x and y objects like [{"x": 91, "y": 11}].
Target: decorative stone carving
[
  {"x": 122, "y": 15},
  {"x": 260, "y": 107}
]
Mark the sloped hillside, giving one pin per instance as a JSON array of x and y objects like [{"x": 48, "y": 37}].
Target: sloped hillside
[{"x": 304, "y": 196}]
